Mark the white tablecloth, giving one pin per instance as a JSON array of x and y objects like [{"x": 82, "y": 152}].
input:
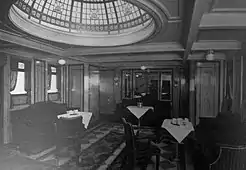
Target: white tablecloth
[
  {"x": 178, "y": 132},
  {"x": 139, "y": 111},
  {"x": 86, "y": 117}
]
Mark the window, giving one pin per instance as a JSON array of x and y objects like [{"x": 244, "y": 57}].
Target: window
[
  {"x": 53, "y": 80},
  {"x": 18, "y": 80}
]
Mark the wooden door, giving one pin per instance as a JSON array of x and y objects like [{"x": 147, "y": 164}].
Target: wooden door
[
  {"x": 107, "y": 101},
  {"x": 76, "y": 87},
  {"x": 207, "y": 90}
]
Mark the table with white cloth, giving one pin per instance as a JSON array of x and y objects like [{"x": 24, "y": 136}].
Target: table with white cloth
[
  {"x": 86, "y": 117},
  {"x": 179, "y": 132},
  {"x": 139, "y": 111}
]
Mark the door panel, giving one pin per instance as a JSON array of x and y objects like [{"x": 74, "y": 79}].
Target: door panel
[
  {"x": 76, "y": 86},
  {"x": 107, "y": 102},
  {"x": 207, "y": 90}
]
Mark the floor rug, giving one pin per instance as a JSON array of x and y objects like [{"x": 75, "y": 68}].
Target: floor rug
[{"x": 99, "y": 155}]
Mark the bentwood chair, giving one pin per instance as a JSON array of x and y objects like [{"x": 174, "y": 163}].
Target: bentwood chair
[{"x": 138, "y": 151}]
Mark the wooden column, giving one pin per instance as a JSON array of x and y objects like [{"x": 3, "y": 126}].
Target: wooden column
[
  {"x": 82, "y": 88},
  {"x": 46, "y": 96},
  {"x": 222, "y": 80},
  {"x": 66, "y": 93},
  {"x": 39, "y": 81},
  {"x": 63, "y": 84},
  {"x": 236, "y": 84},
  {"x": 32, "y": 81},
  {"x": 86, "y": 87},
  {"x": 192, "y": 93},
  {"x": 7, "y": 135}
]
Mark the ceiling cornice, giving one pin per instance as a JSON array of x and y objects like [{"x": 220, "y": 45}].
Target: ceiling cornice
[
  {"x": 34, "y": 55},
  {"x": 201, "y": 56},
  {"x": 216, "y": 45},
  {"x": 224, "y": 20},
  {"x": 9, "y": 37},
  {"x": 140, "y": 48},
  {"x": 137, "y": 58}
]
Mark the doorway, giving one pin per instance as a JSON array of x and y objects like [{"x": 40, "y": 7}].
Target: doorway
[{"x": 207, "y": 90}]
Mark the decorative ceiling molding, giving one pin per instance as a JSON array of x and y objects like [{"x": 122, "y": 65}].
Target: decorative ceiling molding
[
  {"x": 141, "y": 48},
  {"x": 34, "y": 55},
  {"x": 29, "y": 43},
  {"x": 216, "y": 45},
  {"x": 200, "y": 7},
  {"x": 201, "y": 56},
  {"x": 134, "y": 65},
  {"x": 136, "y": 58},
  {"x": 229, "y": 10},
  {"x": 223, "y": 20}
]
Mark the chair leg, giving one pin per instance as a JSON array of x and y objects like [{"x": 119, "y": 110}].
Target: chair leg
[{"x": 157, "y": 162}]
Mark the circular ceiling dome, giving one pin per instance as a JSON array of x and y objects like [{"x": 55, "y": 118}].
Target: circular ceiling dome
[{"x": 84, "y": 22}]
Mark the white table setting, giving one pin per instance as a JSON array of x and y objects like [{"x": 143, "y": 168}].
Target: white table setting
[
  {"x": 179, "y": 128},
  {"x": 139, "y": 111},
  {"x": 86, "y": 116}
]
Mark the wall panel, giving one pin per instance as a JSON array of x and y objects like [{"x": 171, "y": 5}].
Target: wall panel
[{"x": 94, "y": 79}]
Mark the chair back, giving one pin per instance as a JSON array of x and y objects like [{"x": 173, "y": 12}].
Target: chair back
[
  {"x": 130, "y": 148},
  {"x": 230, "y": 158}
]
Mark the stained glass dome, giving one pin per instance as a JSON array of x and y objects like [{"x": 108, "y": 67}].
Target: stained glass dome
[{"x": 84, "y": 22}]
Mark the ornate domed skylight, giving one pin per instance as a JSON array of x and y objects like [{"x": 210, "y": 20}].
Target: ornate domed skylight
[{"x": 83, "y": 22}]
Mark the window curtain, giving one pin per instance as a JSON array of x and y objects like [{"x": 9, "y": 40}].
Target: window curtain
[
  {"x": 49, "y": 77},
  {"x": 13, "y": 73}
]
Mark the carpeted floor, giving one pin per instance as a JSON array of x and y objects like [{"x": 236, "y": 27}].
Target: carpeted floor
[{"x": 100, "y": 149}]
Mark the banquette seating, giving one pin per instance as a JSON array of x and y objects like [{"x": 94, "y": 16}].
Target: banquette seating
[{"x": 37, "y": 127}]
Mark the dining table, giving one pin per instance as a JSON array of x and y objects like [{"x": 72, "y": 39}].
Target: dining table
[
  {"x": 139, "y": 111},
  {"x": 86, "y": 116},
  {"x": 179, "y": 129}
]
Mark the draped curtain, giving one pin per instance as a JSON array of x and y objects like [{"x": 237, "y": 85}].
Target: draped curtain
[{"x": 13, "y": 73}]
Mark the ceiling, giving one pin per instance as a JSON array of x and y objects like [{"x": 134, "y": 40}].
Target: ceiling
[{"x": 187, "y": 27}]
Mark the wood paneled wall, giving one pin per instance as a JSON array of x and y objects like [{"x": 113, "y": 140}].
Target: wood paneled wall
[
  {"x": 7, "y": 135},
  {"x": 40, "y": 81},
  {"x": 236, "y": 102}
]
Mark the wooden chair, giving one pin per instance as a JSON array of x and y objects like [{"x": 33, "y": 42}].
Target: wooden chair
[
  {"x": 230, "y": 158},
  {"x": 138, "y": 151}
]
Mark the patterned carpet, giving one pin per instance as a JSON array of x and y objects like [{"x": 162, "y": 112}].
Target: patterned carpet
[{"x": 101, "y": 149}]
